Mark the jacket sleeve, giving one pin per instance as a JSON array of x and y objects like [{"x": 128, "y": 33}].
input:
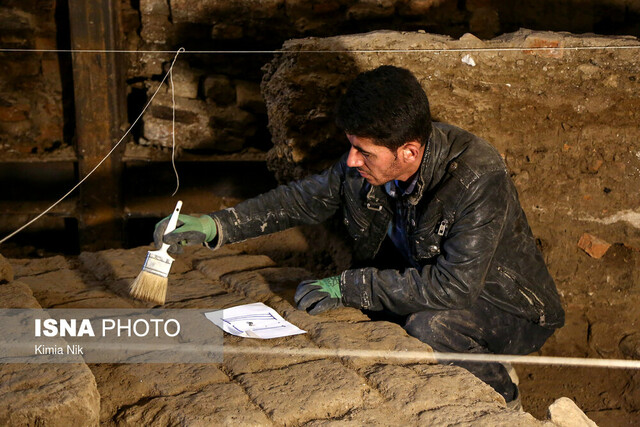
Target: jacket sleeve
[
  {"x": 307, "y": 201},
  {"x": 457, "y": 277}
]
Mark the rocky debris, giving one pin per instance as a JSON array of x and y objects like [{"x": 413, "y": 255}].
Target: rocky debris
[
  {"x": 279, "y": 386},
  {"x": 6, "y": 271},
  {"x": 594, "y": 246},
  {"x": 565, "y": 413}
]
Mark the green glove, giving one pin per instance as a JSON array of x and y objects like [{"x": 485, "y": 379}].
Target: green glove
[
  {"x": 316, "y": 296},
  {"x": 191, "y": 230}
]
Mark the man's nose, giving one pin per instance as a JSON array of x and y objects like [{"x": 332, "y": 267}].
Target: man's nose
[{"x": 354, "y": 160}]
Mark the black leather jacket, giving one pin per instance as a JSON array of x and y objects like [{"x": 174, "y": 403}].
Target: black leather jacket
[{"x": 466, "y": 229}]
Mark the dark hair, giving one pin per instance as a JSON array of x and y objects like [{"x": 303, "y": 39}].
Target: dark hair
[{"x": 386, "y": 104}]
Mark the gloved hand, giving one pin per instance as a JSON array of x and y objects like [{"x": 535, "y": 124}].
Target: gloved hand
[
  {"x": 190, "y": 230},
  {"x": 316, "y": 296}
]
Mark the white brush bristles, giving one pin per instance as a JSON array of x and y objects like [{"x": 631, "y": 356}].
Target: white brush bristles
[{"x": 149, "y": 287}]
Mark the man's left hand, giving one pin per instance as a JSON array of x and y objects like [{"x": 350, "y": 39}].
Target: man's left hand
[{"x": 316, "y": 296}]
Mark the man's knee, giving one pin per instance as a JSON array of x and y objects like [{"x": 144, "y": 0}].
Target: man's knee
[{"x": 428, "y": 326}]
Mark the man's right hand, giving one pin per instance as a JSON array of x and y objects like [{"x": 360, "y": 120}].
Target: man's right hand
[{"x": 191, "y": 230}]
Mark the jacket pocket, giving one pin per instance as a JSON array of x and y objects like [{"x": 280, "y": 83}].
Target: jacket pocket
[
  {"x": 426, "y": 240},
  {"x": 523, "y": 290},
  {"x": 354, "y": 217}
]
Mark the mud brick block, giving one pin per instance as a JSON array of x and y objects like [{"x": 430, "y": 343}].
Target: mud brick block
[
  {"x": 142, "y": 381},
  {"x": 123, "y": 263},
  {"x": 216, "y": 268},
  {"x": 192, "y": 285},
  {"x": 248, "y": 97},
  {"x": 154, "y": 7},
  {"x": 17, "y": 295},
  {"x": 307, "y": 391},
  {"x": 215, "y": 404},
  {"x": 371, "y": 9},
  {"x": 377, "y": 336},
  {"x": 15, "y": 113},
  {"x": 263, "y": 284},
  {"x": 380, "y": 414},
  {"x": 276, "y": 353},
  {"x": 6, "y": 271},
  {"x": 48, "y": 394},
  {"x": 431, "y": 387},
  {"x": 306, "y": 321},
  {"x": 214, "y": 302},
  {"x": 219, "y": 89},
  {"x": 479, "y": 414},
  {"x": 185, "y": 80},
  {"x": 592, "y": 245},
  {"x": 67, "y": 289},
  {"x": 32, "y": 267}
]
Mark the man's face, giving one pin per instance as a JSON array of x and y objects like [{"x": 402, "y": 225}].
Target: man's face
[{"x": 376, "y": 163}]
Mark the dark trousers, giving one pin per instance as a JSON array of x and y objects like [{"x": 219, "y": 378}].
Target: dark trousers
[{"x": 483, "y": 328}]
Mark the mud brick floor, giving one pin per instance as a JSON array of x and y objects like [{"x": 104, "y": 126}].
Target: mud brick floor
[{"x": 244, "y": 389}]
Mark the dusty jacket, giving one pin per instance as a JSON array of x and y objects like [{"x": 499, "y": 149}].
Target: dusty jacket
[{"x": 466, "y": 229}]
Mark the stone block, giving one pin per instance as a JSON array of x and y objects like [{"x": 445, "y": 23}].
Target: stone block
[
  {"x": 216, "y": 268},
  {"x": 306, "y": 391},
  {"x": 248, "y": 97},
  {"x": 219, "y": 89},
  {"x": 215, "y": 404},
  {"x": 565, "y": 413},
  {"x": 6, "y": 271},
  {"x": 145, "y": 381},
  {"x": 48, "y": 394}
]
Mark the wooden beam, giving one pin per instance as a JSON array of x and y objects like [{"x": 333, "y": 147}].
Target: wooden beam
[{"x": 100, "y": 105}]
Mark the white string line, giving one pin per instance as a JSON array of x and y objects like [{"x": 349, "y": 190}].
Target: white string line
[
  {"x": 101, "y": 161},
  {"x": 387, "y": 355},
  {"x": 462, "y": 49},
  {"x": 437, "y": 357},
  {"x": 173, "y": 127}
]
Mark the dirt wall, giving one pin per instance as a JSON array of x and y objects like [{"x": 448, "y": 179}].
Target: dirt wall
[{"x": 565, "y": 122}]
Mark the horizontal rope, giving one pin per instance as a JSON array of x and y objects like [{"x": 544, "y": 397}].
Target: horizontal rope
[
  {"x": 428, "y": 357},
  {"x": 222, "y": 52}
]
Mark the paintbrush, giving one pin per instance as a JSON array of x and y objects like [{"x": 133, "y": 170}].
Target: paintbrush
[{"x": 151, "y": 283}]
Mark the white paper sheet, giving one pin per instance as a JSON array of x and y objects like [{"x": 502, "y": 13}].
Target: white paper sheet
[{"x": 253, "y": 321}]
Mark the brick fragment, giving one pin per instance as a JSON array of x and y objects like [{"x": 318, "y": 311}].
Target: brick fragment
[{"x": 593, "y": 245}]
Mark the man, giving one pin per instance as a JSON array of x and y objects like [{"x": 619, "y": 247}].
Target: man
[{"x": 437, "y": 225}]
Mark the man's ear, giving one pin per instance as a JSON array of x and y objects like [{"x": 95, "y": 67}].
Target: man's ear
[{"x": 410, "y": 151}]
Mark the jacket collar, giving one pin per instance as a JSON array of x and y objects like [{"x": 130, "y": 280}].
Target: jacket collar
[{"x": 431, "y": 170}]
